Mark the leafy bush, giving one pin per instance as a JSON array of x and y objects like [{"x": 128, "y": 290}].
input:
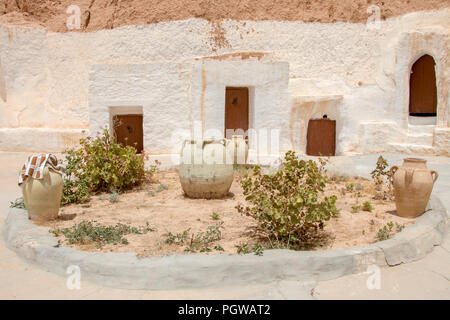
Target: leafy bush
[
  {"x": 178, "y": 238},
  {"x": 200, "y": 241},
  {"x": 215, "y": 216},
  {"x": 381, "y": 173},
  {"x": 243, "y": 248},
  {"x": 258, "y": 249},
  {"x": 102, "y": 165},
  {"x": 75, "y": 191},
  {"x": 86, "y": 232},
  {"x": 385, "y": 232},
  {"x": 287, "y": 205},
  {"x": 383, "y": 179},
  {"x": 367, "y": 206}
]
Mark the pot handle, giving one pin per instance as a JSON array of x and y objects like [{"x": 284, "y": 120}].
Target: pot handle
[
  {"x": 224, "y": 141},
  {"x": 436, "y": 175},
  {"x": 392, "y": 170},
  {"x": 221, "y": 140},
  {"x": 409, "y": 173}
]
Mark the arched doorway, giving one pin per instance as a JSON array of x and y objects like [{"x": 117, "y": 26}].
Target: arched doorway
[{"x": 422, "y": 88}]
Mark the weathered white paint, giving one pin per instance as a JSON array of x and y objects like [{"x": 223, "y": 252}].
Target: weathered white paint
[{"x": 60, "y": 84}]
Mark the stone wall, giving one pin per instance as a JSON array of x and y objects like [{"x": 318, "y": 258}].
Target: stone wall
[{"x": 57, "y": 87}]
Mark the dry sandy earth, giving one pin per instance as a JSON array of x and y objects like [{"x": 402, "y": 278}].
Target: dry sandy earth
[
  {"x": 171, "y": 211},
  {"x": 107, "y": 14}
]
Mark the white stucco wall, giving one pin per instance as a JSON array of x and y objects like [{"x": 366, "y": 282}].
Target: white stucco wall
[{"x": 59, "y": 84}]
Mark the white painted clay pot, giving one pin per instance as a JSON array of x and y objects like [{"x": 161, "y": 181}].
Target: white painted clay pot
[
  {"x": 413, "y": 183},
  {"x": 42, "y": 197},
  {"x": 239, "y": 148},
  {"x": 206, "y": 168}
]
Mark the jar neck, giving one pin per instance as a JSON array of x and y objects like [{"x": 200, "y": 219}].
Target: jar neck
[{"x": 414, "y": 163}]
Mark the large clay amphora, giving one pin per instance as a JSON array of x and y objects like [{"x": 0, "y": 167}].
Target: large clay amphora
[
  {"x": 206, "y": 168},
  {"x": 239, "y": 148},
  {"x": 413, "y": 183},
  {"x": 42, "y": 197}
]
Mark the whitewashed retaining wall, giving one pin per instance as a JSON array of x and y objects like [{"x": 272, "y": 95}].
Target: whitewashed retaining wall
[{"x": 56, "y": 87}]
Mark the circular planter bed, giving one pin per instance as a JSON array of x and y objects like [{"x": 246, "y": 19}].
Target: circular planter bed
[
  {"x": 171, "y": 222},
  {"x": 149, "y": 262}
]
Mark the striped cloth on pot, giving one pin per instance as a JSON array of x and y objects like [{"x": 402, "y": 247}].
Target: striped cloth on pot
[{"x": 35, "y": 165}]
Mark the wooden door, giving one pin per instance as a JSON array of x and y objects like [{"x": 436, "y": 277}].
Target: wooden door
[
  {"x": 321, "y": 137},
  {"x": 129, "y": 131},
  {"x": 236, "y": 110},
  {"x": 422, "y": 88}
]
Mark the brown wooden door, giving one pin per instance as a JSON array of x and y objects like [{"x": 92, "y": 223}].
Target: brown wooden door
[
  {"x": 236, "y": 110},
  {"x": 321, "y": 137},
  {"x": 422, "y": 88},
  {"x": 129, "y": 131}
]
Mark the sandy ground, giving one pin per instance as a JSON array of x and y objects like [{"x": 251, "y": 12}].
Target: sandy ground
[
  {"x": 170, "y": 211},
  {"x": 107, "y": 14}
]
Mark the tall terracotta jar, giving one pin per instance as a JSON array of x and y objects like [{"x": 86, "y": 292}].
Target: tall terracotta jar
[
  {"x": 42, "y": 197},
  {"x": 206, "y": 168},
  {"x": 239, "y": 148},
  {"x": 413, "y": 183}
]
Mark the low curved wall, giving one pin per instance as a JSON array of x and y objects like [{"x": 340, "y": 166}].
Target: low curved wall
[{"x": 126, "y": 271}]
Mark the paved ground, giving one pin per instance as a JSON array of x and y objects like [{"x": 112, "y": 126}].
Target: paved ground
[{"x": 425, "y": 279}]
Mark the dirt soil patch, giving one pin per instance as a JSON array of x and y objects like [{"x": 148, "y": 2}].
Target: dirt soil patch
[
  {"x": 108, "y": 14},
  {"x": 168, "y": 210}
]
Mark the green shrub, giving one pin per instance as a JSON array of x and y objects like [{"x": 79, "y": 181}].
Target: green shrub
[
  {"x": 381, "y": 174},
  {"x": 258, "y": 249},
  {"x": 286, "y": 204},
  {"x": 367, "y": 206},
  {"x": 400, "y": 227},
  {"x": 178, "y": 238},
  {"x": 215, "y": 216},
  {"x": 102, "y": 165},
  {"x": 243, "y": 248},
  {"x": 385, "y": 232},
  {"x": 382, "y": 177},
  {"x": 200, "y": 241},
  {"x": 86, "y": 232},
  {"x": 355, "y": 209},
  {"x": 75, "y": 187}
]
